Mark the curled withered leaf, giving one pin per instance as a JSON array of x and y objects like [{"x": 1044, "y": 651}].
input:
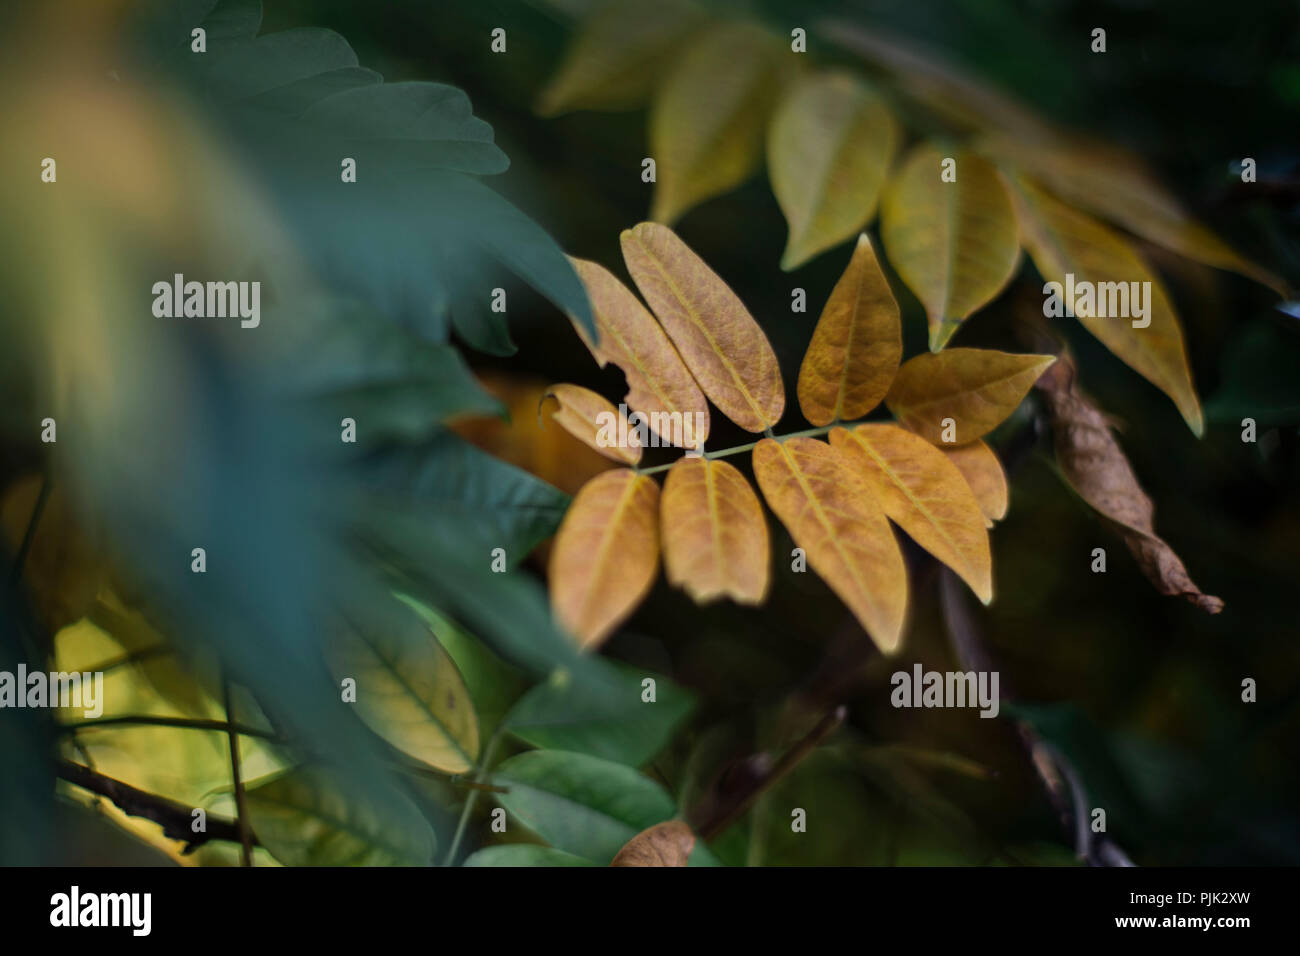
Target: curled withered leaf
[
  {"x": 606, "y": 554},
  {"x": 856, "y": 347},
  {"x": 593, "y": 420},
  {"x": 924, "y": 494},
  {"x": 715, "y": 537},
  {"x": 1096, "y": 468},
  {"x": 983, "y": 472},
  {"x": 664, "y": 844},
  {"x": 829, "y": 511},
  {"x": 718, "y": 339},
  {"x": 958, "y": 395},
  {"x": 658, "y": 383}
]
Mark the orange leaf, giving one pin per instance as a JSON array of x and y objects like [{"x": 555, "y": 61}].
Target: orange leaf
[
  {"x": 719, "y": 340},
  {"x": 825, "y": 505},
  {"x": 586, "y": 416},
  {"x": 855, "y": 349},
  {"x": 606, "y": 554},
  {"x": 983, "y": 472},
  {"x": 970, "y": 391},
  {"x": 924, "y": 494},
  {"x": 714, "y": 533},
  {"x": 664, "y": 844},
  {"x": 657, "y": 381}
]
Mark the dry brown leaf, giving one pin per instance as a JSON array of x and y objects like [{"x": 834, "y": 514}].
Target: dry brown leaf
[
  {"x": 715, "y": 537},
  {"x": 856, "y": 347},
  {"x": 657, "y": 380},
  {"x": 829, "y": 511},
  {"x": 1096, "y": 468},
  {"x": 585, "y": 414},
  {"x": 983, "y": 472},
  {"x": 606, "y": 554},
  {"x": 718, "y": 339},
  {"x": 922, "y": 492},
  {"x": 976, "y": 388},
  {"x": 664, "y": 844}
]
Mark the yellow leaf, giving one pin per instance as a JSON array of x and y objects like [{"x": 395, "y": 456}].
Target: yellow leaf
[
  {"x": 983, "y": 472},
  {"x": 619, "y": 56},
  {"x": 958, "y": 395},
  {"x": 825, "y": 505},
  {"x": 924, "y": 493},
  {"x": 585, "y": 415},
  {"x": 664, "y": 844},
  {"x": 714, "y": 533},
  {"x": 707, "y": 120},
  {"x": 855, "y": 349},
  {"x": 1065, "y": 242},
  {"x": 954, "y": 243},
  {"x": 719, "y": 340},
  {"x": 657, "y": 380},
  {"x": 829, "y": 147},
  {"x": 409, "y": 690},
  {"x": 606, "y": 554},
  {"x": 1113, "y": 185}
]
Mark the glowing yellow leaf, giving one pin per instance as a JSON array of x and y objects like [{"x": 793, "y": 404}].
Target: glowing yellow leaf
[
  {"x": 592, "y": 419},
  {"x": 954, "y": 243},
  {"x": 718, "y": 339},
  {"x": 958, "y": 395},
  {"x": 855, "y": 349},
  {"x": 828, "y": 151},
  {"x": 714, "y": 533},
  {"x": 924, "y": 494},
  {"x": 983, "y": 472},
  {"x": 657, "y": 381},
  {"x": 606, "y": 554},
  {"x": 1070, "y": 248},
  {"x": 825, "y": 505}
]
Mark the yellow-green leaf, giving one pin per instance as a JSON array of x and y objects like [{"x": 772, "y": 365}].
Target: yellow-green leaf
[
  {"x": 606, "y": 554},
  {"x": 958, "y": 395},
  {"x": 619, "y": 56},
  {"x": 829, "y": 147},
  {"x": 855, "y": 349},
  {"x": 408, "y": 688},
  {"x": 954, "y": 243},
  {"x": 593, "y": 420},
  {"x": 1064, "y": 242},
  {"x": 983, "y": 472},
  {"x": 714, "y": 534},
  {"x": 657, "y": 381},
  {"x": 827, "y": 508},
  {"x": 707, "y": 120},
  {"x": 718, "y": 339},
  {"x": 924, "y": 494}
]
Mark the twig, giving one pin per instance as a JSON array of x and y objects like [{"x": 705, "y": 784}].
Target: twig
[
  {"x": 150, "y": 720},
  {"x": 480, "y": 772},
  {"x": 30, "y": 534},
  {"x": 241, "y": 810}
]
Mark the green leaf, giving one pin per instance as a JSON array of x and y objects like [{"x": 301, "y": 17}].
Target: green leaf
[
  {"x": 314, "y": 817},
  {"x": 245, "y": 68},
  {"x": 563, "y": 714},
  {"x": 1259, "y": 377},
  {"x": 524, "y": 854}
]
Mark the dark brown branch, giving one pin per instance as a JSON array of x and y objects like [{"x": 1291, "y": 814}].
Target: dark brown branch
[{"x": 241, "y": 811}]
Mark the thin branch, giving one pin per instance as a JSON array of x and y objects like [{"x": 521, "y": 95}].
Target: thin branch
[
  {"x": 480, "y": 772},
  {"x": 150, "y": 720},
  {"x": 241, "y": 809},
  {"x": 30, "y": 534}
]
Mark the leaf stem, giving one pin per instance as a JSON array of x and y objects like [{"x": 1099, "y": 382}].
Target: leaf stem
[
  {"x": 479, "y": 773},
  {"x": 737, "y": 449}
]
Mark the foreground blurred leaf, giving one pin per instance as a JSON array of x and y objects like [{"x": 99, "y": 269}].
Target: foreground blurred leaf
[
  {"x": 524, "y": 854},
  {"x": 975, "y": 388},
  {"x": 564, "y": 714},
  {"x": 924, "y": 493},
  {"x": 708, "y": 116},
  {"x": 983, "y": 472},
  {"x": 1064, "y": 241},
  {"x": 606, "y": 554},
  {"x": 664, "y": 844},
  {"x": 720, "y": 342},
  {"x": 953, "y": 243},
  {"x": 1098, "y": 471},
  {"x": 856, "y": 346},
  {"x": 584, "y": 414},
  {"x": 316, "y": 817},
  {"x": 829, "y": 148},
  {"x": 828, "y": 510}
]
